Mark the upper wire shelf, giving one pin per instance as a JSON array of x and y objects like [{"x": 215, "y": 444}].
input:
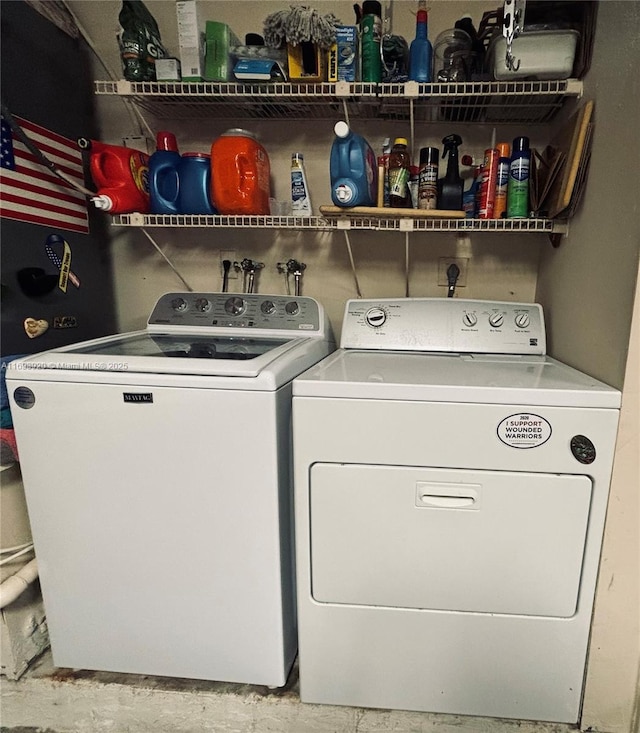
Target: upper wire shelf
[{"x": 490, "y": 102}]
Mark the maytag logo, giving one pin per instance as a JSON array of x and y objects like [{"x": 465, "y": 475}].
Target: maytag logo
[{"x": 138, "y": 396}]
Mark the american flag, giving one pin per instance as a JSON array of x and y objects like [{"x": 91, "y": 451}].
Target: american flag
[{"x": 29, "y": 191}]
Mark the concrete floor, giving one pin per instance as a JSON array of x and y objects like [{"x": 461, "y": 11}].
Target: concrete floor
[{"x": 51, "y": 700}]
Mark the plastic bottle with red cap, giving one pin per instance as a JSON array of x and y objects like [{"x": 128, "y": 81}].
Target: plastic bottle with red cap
[{"x": 163, "y": 175}]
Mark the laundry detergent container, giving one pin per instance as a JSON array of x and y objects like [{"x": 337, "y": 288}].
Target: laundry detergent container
[{"x": 240, "y": 174}]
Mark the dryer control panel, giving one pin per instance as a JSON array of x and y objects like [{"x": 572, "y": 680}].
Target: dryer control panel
[{"x": 449, "y": 325}]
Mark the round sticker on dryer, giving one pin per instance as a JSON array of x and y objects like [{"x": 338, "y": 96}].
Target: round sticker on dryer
[{"x": 524, "y": 430}]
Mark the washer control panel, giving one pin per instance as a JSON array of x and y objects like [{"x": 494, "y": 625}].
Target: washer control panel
[
  {"x": 238, "y": 310},
  {"x": 449, "y": 325}
]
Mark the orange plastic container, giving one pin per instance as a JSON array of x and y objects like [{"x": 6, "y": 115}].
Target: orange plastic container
[
  {"x": 121, "y": 176},
  {"x": 240, "y": 174}
]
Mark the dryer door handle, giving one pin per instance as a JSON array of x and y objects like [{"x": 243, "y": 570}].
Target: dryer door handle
[{"x": 448, "y": 496}]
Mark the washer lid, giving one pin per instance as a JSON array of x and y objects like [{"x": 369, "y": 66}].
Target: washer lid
[
  {"x": 495, "y": 379},
  {"x": 143, "y": 352}
]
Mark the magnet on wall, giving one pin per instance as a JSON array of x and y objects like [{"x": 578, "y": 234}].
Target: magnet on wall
[
  {"x": 34, "y": 328},
  {"x": 62, "y": 263},
  {"x": 65, "y": 322}
]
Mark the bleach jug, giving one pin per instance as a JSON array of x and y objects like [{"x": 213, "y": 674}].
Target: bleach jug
[
  {"x": 163, "y": 175},
  {"x": 121, "y": 176},
  {"x": 240, "y": 174},
  {"x": 353, "y": 169}
]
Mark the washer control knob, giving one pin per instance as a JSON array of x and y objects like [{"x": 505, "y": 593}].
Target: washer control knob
[
  {"x": 375, "y": 317},
  {"x": 203, "y": 305},
  {"x": 496, "y": 320},
  {"x": 470, "y": 319},
  {"x": 292, "y": 308},
  {"x": 522, "y": 320},
  {"x": 235, "y": 306},
  {"x": 179, "y": 304},
  {"x": 268, "y": 307}
]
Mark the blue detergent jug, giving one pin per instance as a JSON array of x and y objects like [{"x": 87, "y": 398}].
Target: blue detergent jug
[
  {"x": 181, "y": 185},
  {"x": 163, "y": 175},
  {"x": 194, "y": 184},
  {"x": 353, "y": 169}
]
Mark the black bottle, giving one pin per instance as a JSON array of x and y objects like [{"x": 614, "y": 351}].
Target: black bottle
[{"x": 450, "y": 186}]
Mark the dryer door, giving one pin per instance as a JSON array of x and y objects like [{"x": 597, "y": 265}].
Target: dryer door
[{"x": 455, "y": 540}]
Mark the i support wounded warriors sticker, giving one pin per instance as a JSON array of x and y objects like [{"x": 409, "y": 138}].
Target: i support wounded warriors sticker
[{"x": 524, "y": 430}]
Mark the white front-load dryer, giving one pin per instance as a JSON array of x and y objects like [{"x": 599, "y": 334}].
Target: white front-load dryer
[
  {"x": 451, "y": 484},
  {"x": 157, "y": 472}
]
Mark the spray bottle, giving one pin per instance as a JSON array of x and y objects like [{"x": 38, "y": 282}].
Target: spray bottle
[
  {"x": 450, "y": 186},
  {"x": 121, "y": 176}
]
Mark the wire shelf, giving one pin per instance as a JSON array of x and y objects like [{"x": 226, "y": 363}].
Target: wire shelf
[
  {"x": 493, "y": 102},
  {"x": 318, "y": 223}
]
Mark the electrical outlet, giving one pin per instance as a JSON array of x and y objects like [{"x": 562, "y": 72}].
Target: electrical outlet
[
  {"x": 232, "y": 256},
  {"x": 443, "y": 266}
]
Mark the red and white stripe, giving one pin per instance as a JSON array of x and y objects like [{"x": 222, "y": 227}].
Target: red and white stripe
[{"x": 32, "y": 193}]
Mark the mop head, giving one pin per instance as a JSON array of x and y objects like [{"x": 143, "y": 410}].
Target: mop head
[{"x": 299, "y": 24}]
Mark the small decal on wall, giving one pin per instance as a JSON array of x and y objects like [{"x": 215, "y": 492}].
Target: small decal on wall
[
  {"x": 524, "y": 430},
  {"x": 65, "y": 322}
]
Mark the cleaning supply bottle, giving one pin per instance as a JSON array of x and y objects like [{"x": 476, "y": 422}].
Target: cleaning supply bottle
[
  {"x": 428, "y": 178},
  {"x": 420, "y": 50},
  {"x": 370, "y": 41},
  {"x": 194, "y": 184},
  {"x": 121, "y": 176},
  {"x": 450, "y": 186},
  {"x": 518, "y": 187},
  {"x": 502, "y": 181},
  {"x": 300, "y": 200},
  {"x": 488, "y": 182},
  {"x": 470, "y": 196},
  {"x": 163, "y": 175},
  {"x": 353, "y": 169},
  {"x": 240, "y": 174},
  {"x": 399, "y": 171}
]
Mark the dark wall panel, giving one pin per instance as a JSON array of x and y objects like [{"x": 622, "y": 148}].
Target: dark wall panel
[{"x": 45, "y": 78}]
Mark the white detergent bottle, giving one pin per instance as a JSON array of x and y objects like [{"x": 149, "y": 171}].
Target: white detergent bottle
[{"x": 300, "y": 200}]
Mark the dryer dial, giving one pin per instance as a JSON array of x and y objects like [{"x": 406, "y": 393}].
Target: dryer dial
[
  {"x": 522, "y": 320},
  {"x": 375, "y": 317},
  {"x": 292, "y": 308},
  {"x": 268, "y": 307},
  {"x": 496, "y": 320},
  {"x": 470, "y": 319},
  {"x": 235, "y": 306}
]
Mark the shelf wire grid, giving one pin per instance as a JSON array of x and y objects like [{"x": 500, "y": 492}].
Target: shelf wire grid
[
  {"x": 354, "y": 222},
  {"x": 491, "y": 102}
]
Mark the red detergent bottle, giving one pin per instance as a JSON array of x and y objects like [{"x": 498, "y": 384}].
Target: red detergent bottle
[{"x": 121, "y": 176}]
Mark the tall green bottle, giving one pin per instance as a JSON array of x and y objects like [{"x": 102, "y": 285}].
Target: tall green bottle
[{"x": 370, "y": 41}]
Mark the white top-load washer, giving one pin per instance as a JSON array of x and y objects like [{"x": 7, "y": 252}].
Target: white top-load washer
[
  {"x": 157, "y": 472},
  {"x": 451, "y": 485}
]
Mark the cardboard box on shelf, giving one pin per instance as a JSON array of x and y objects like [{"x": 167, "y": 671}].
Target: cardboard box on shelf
[
  {"x": 219, "y": 40},
  {"x": 343, "y": 55},
  {"x": 190, "y": 40},
  {"x": 307, "y": 62}
]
